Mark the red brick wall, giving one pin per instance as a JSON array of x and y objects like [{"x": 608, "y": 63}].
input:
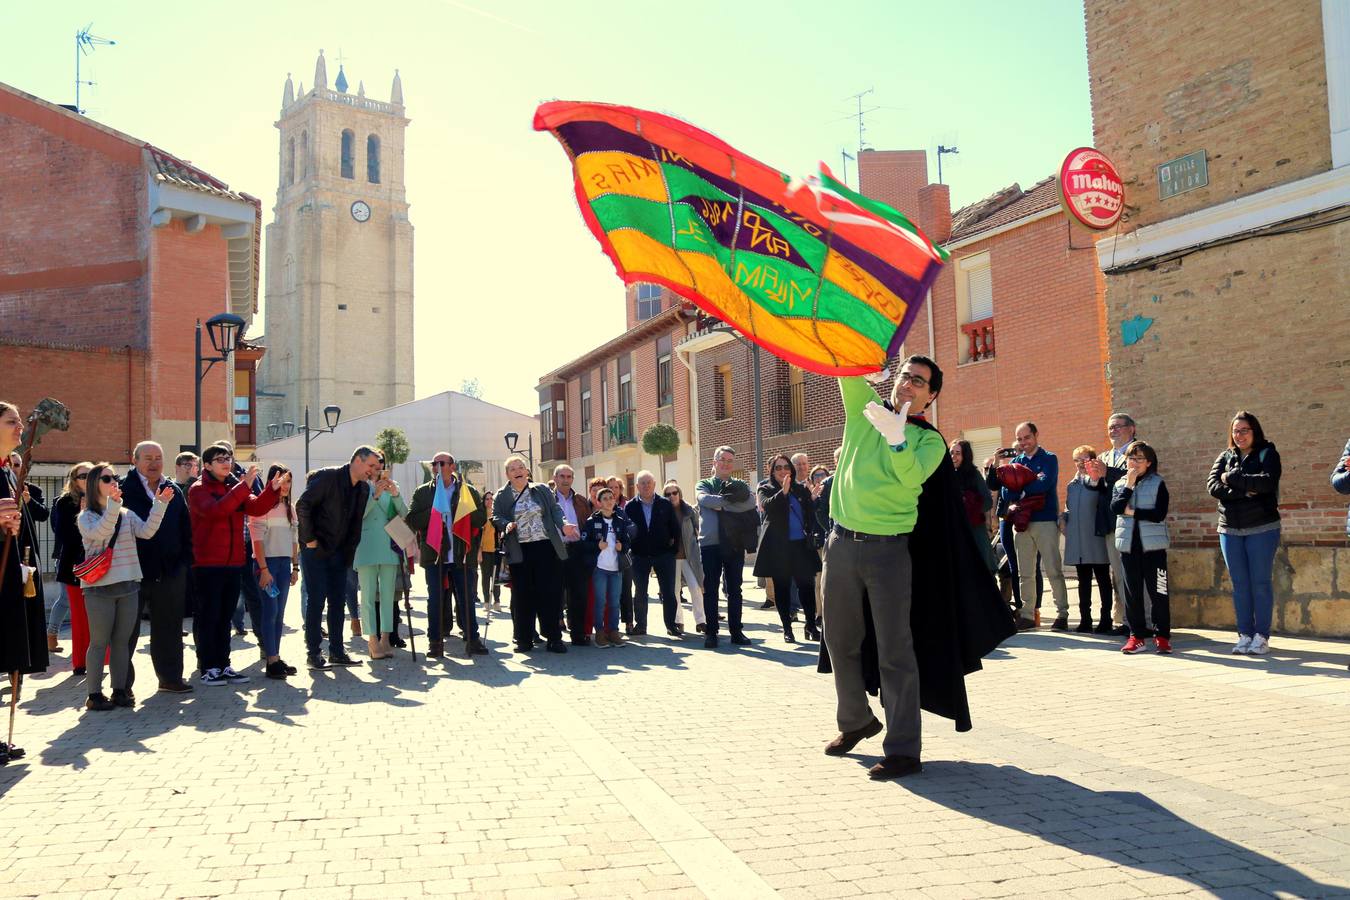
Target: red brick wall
[
  {"x": 894, "y": 177},
  {"x": 106, "y": 391},
  {"x": 189, "y": 280},
  {"x": 73, "y": 244}
]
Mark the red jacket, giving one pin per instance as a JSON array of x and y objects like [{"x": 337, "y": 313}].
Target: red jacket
[{"x": 218, "y": 512}]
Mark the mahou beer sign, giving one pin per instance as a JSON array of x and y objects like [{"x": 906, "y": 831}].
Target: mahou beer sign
[{"x": 1090, "y": 189}]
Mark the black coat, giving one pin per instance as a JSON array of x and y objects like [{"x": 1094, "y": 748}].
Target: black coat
[
  {"x": 776, "y": 556},
  {"x": 330, "y": 512},
  {"x": 1252, "y": 495},
  {"x": 171, "y": 547},
  {"x": 957, "y": 615},
  {"x": 664, "y": 534},
  {"x": 69, "y": 544},
  {"x": 23, "y": 623}
]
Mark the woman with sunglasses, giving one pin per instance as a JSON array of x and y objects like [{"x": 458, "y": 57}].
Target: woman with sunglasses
[
  {"x": 377, "y": 562},
  {"x": 1140, "y": 504},
  {"x": 686, "y": 572},
  {"x": 112, "y": 601},
  {"x": 276, "y": 554},
  {"x": 786, "y": 552},
  {"x": 69, "y": 552},
  {"x": 1245, "y": 479}
]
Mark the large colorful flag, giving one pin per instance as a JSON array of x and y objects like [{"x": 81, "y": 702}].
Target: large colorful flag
[
  {"x": 460, "y": 527},
  {"x": 813, "y": 272}
]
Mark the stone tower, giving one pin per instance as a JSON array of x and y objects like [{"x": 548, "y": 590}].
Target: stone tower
[{"x": 339, "y": 257}]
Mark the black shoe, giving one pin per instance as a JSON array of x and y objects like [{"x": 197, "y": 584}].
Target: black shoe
[
  {"x": 638, "y": 631},
  {"x": 847, "y": 740},
  {"x": 1121, "y": 631},
  {"x": 1026, "y": 624},
  {"x": 290, "y": 669},
  {"x": 315, "y": 661},
  {"x": 813, "y": 634},
  {"x": 341, "y": 659},
  {"x": 524, "y": 646},
  {"x": 239, "y": 632},
  {"x": 476, "y": 648},
  {"x": 78, "y": 670},
  {"x": 395, "y": 641},
  {"x": 537, "y": 638},
  {"x": 556, "y": 646},
  {"x": 581, "y": 641},
  {"x": 1084, "y": 626},
  {"x": 276, "y": 671},
  {"x": 98, "y": 703},
  {"x": 9, "y": 751},
  {"x": 182, "y": 687},
  {"x": 701, "y": 629},
  {"x": 741, "y": 640},
  {"x": 788, "y": 635},
  {"x": 895, "y": 767},
  {"x": 1061, "y": 623},
  {"x": 675, "y": 632},
  {"x": 767, "y": 604},
  {"x": 1104, "y": 628},
  {"x": 710, "y": 642},
  {"x": 124, "y": 699}
]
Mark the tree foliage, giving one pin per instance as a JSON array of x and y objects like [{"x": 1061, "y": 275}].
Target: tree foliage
[
  {"x": 661, "y": 440},
  {"x": 393, "y": 443},
  {"x": 471, "y": 387}
]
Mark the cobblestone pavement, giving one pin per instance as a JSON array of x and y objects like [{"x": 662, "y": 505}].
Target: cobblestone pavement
[{"x": 664, "y": 769}]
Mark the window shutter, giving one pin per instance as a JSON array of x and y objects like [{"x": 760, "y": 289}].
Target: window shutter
[{"x": 980, "y": 289}]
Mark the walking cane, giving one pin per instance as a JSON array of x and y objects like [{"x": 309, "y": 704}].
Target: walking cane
[{"x": 407, "y": 603}]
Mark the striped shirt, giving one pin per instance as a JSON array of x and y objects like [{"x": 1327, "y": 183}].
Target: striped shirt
[{"x": 97, "y": 530}]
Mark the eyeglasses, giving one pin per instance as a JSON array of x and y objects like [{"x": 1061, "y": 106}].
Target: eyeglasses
[
  {"x": 672, "y": 493},
  {"x": 1137, "y": 457},
  {"x": 911, "y": 378},
  {"x": 1082, "y": 459},
  {"x": 228, "y": 460},
  {"x": 436, "y": 464},
  {"x": 1118, "y": 427},
  {"x": 107, "y": 479},
  {"x": 82, "y": 476},
  {"x": 1242, "y": 431},
  {"x": 782, "y": 468}
]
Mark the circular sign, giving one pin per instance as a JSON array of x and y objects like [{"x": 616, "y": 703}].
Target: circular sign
[
  {"x": 1090, "y": 189},
  {"x": 360, "y": 210}
]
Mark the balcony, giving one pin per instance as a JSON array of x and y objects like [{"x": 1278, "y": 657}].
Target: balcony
[
  {"x": 620, "y": 429},
  {"x": 981, "y": 340},
  {"x": 790, "y": 406}
]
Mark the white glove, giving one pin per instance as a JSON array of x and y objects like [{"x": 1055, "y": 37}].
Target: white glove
[
  {"x": 879, "y": 376},
  {"x": 891, "y": 425}
]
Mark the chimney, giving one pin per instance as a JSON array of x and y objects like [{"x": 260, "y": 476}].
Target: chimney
[{"x": 935, "y": 212}]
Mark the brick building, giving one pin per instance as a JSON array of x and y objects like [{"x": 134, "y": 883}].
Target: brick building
[
  {"x": 594, "y": 410},
  {"x": 1015, "y": 320},
  {"x": 1226, "y": 285},
  {"x": 110, "y": 250}
]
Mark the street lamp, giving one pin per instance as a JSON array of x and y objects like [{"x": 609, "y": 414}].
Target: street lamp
[
  {"x": 512, "y": 439},
  {"x": 224, "y": 329},
  {"x": 331, "y": 414}
]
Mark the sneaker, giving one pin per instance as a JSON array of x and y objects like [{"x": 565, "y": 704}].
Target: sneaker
[
  {"x": 1244, "y": 644},
  {"x": 601, "y": 640},
  {"x": 1061, "y": 623},
  {"x": 316, "y": 662},
  {"x": 341, "y": 659},
  {"x": 98, "y": 703},
  {"x": 233, "y": 677},
  {"x": 1164, "y": 644},
  {"x": 213, "y": 676},
  {"x": 1260, "y": 645},
  {"x": 1134, "y": 645}
]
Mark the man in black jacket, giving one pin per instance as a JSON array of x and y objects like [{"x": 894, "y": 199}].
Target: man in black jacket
[
  {"x": 657, "y": 534},
  {"x": 165, "y": 559},
  {"x": 330, "y": 512}
]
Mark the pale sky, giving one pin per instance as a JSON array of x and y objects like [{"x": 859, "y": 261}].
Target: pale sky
[{"x": 501, "y": 252}]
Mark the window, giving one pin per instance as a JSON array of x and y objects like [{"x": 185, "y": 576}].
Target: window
[
  {"x": 304, "y": 154},
  {"x": 975, "y": 308},
  {"x": 585, "y": 387},
  {"x": 290, "y": 161},
  {"x": 288, "y": 274},
  {"x": 546, "y": 419},
  {"x": 722, "y": 408},
  {"x": 348, "y": 154},
  {"x": 983, "y": 442},
  {"x": 559, "y": 415},
  {"x": 342, "y": 306},
  {"x": 625, "y": 382},
  {"x": 665, "y": 385},
  {"x": 648, "y": 301},
  {"x": 373, "y": 159}
]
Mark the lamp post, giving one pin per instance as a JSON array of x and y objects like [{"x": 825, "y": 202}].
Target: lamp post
[
  {"x": 331, "y": 415},
  {"x": 224, "y": 330},
  {"x": 513, "y": 438}
]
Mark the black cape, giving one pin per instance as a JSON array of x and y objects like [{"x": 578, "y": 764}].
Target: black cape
[
  {"x": 23, "y": 625},
  {"x": 957, "y": 614}
]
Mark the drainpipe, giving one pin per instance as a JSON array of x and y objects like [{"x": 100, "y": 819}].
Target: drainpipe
[{"x": 932, "y": 350}]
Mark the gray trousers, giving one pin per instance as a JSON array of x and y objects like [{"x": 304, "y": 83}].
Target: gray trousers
[
  {"x": 113, "y": 611},
  {"x": 881, "y": 572},
  {"x": 1042, "y": 538}
]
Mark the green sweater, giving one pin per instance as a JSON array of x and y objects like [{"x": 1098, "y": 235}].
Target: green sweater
[{"x": 876, "y": 489}]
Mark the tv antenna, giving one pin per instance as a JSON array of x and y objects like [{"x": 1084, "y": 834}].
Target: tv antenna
[
  {"x": 941, "y": 151},
  {"x": 85, "y": 42},
  {"x": 860, "y": 113},
  {"x": 847, "y": 156}
]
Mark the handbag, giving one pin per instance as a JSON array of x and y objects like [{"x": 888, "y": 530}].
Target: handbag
[{"x": 92, "y": 570}]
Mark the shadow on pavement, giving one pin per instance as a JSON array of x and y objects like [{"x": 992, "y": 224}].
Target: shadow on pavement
[
  {"x": 1125, "y": 828},
  {"x": 1194, "y": 647}
]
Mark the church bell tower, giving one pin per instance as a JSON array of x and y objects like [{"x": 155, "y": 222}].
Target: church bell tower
[{"x": 339, "y": 288}]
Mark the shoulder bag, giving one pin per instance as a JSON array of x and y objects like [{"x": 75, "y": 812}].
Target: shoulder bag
[{"x": 92, "y": 570}]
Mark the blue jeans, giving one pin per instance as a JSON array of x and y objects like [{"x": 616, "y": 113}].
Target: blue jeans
[
  {"x": 607, "y": 588},
  {"x": 1250, "y": 559},
  {"x": 327, "y": 580},
  {"x": 274, "y": 608},
  {"x": 57, "y": 612}
]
